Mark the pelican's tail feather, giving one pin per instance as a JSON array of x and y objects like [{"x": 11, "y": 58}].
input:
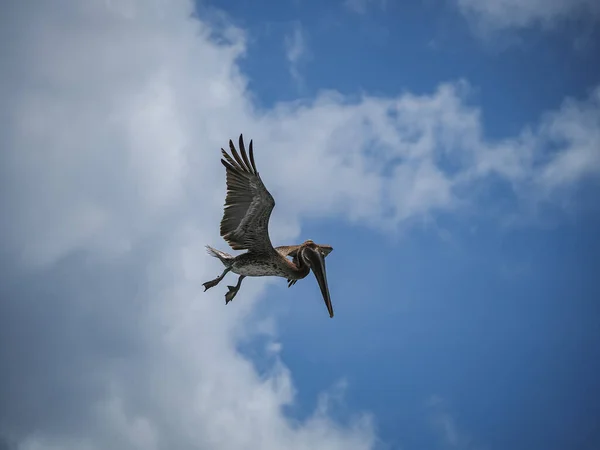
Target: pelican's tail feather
[{"x": 225, "y": 258}]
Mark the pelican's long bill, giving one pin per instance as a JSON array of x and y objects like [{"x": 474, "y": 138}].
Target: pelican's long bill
[{"x": 317, "y": 264}]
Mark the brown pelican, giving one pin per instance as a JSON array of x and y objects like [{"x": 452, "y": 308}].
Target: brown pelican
[{"x": 245, "y": 226}]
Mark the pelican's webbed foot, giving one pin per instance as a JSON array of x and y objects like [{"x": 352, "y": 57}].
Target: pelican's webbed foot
[
  {"x": 233, "y": 290},
  {"x": 213, "y": 283},
  {"x": 229, "y": 296}
]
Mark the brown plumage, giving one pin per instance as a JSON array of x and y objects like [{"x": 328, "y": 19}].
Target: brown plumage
[
  {"x": 248, "y": 204},
  {"x": 245, "y": 226}
]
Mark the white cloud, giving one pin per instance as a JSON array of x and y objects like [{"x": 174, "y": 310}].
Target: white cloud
[
  {"x": 113, "y": 116},
  {"x": 112, "y": 160},
  {"x": 498, "y": 14}
]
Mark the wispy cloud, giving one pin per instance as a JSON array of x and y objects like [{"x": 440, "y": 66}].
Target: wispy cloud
[
  {"x": 363, "y": 6},
  {"x": 445, "y": 425},
  {"x": 296, "y": 50},
  {"x": 499, "y": 14}
]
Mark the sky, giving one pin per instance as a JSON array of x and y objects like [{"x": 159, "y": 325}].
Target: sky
[{"x": 448, "y": 150}]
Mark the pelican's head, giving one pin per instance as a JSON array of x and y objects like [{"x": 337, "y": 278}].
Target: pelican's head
[
  {"x": 313, "y": 256},
  {"x": 325, "y": 249}
]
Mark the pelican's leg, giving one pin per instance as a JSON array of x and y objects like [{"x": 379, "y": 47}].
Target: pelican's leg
[
  {"x": 234, "y": 289},
  {"x": 213, "y": 283}
]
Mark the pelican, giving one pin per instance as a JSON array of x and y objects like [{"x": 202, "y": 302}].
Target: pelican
[{"x": 245, "y": 226}]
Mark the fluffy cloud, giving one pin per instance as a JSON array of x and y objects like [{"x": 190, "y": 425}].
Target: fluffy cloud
[
  {"x": 113, "y": 114},
  {"x": 522, "y": 13}
]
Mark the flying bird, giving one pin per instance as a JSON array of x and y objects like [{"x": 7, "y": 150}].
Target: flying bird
[{"x": 245, "y": 226}]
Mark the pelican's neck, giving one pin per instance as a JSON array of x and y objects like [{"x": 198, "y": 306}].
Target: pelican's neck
[{"x": 299, "y": 267}]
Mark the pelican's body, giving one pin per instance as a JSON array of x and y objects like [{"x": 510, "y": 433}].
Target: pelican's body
[
  {"x": 274, "y": 264},
  {"x": 244, "y": 226},
  {"x": 248, "y": 264}
]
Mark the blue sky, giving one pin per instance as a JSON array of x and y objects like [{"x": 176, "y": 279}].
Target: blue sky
[
  {"x": 449, "y": 151},
  {"x": 499, "y": 322},
  {"x": 413, "y": 47}
]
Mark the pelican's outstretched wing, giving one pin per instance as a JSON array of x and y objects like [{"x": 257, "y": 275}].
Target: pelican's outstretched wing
[{"x": 248, "y": 203}]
